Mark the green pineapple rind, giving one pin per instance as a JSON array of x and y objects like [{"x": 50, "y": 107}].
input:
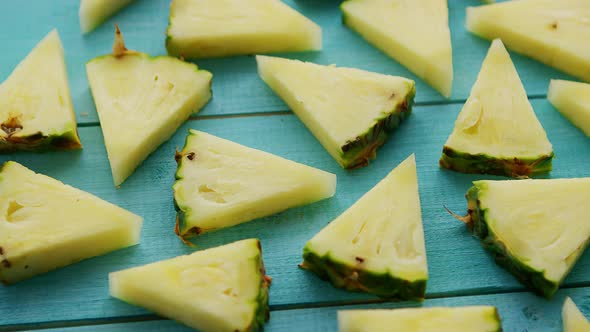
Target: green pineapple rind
[
  {"x": 353, "y": 278},
  {"x": 68, "y": 140},
  {"x": 528, "y": 276},
  {"x": 358, "y": 152},
  {"x": 486, "y": 164},
  {"x": 182, "y": 211},
  {"x": 262, "y": 313}
]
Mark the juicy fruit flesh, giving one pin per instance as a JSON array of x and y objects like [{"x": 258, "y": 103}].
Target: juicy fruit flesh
[
  {"x": 35, "y": 99},
  {"x": 546, "y": 30},
  {"x": 459, "y": 319},
  {"x": 572, "y": 99},
  {"x": 209, "y": 28},
  {"x": 414, "y": 32},
  {"x": 45, "y": 224},
  {"x": 573, "y": 319},
  {"x": 141, "y": 101},
  {"x": 338, "y": 105},
  {"x": 218, "y": 289},
  {"x": 93, "y": 12},
  {"x": 221, "y": 183}
]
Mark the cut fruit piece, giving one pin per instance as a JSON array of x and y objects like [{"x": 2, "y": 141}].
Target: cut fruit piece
[
  {"x": 497, "y": 131},
  {"x": 45, "y": 224},
  {"x": 377, "y": 245},
  {"x": 413, "y": 32},
  {"x": 349, "y": 111},
  {"x": 572, "y": 100},
  {"x": 36, "y": 111},
  {"x": 437, "y": 319},
  {"x": 536, "y": 229},
  {"x": 220, "y": 184},
  {"x": 215, "y": 290},
  {"x": 141, "y": 101},
  {"x": 217, "y": 28},
  {"x": 93, "y": 13},
  {"x": 573, "y": 319},
  {"x": 546, "y": 30}
]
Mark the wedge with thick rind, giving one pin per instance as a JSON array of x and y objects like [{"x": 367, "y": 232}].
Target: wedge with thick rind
[
  {"x": 489, "y": 135},
  {"x": 350, "y": 111},
  {"x": 93, "y": 13},
  {"x": 517, "y": 221},
  {"x": 572, "y": 100},
  {"x": 545, "y": 30},
  {"x": 377, "y": 245},
  {"x": 220, "y": 184},
  {"x": 141, "y": 101},
  {"x": 572, "y": 318},
  {"x": 413, "y": 32},
  {"x": 36, "y": 112},
  {"x": 236, "y": 27},
  {"x": 435, "y": 319},
  {"x": 213, "y": 290},
  {"x": 45, "y": 224}
]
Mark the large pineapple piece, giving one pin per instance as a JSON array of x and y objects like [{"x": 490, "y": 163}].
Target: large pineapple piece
[
  {"x": 46, "y": 224},
  {"x": 222, "y": 289},
  {"x": 413, "y": 32},
  {"x": 572, "y": 100},
  {"x": 436, "y": 319},
  {"x": 93, "y": 12},
  {"x": 497, "y": 131},
  {"x": 217, "y": 28},
  {"x": 220, "y": 184},
  {"x": 546, "y": 30},
  {"x": 377, "y": 245},
  {"x": 350, "y": 111},
  {"x": 536, "y": 229},
  {"x": 36, "y": 111},
  {"x": 141, "y": 101},
  {"x": 573, "y": 319}
]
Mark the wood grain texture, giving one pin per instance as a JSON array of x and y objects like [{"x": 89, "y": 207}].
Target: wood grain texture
[{"x": 457, "y": 263}]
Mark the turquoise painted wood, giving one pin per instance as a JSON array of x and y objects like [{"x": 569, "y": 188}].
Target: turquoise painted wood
[{"x": 236, "y": 86}]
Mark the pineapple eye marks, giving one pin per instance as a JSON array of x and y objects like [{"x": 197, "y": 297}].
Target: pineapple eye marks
[{"x": 11, "y": 126}]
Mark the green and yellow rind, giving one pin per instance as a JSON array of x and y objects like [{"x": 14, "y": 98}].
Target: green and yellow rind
[
  {"x": 68, "y": 140},
  {"x": 528, "y": 276},
  {"x": 356, "y": 279},
  {"x": 262, "y": 314},
  {"x": 183, "y": 211}
]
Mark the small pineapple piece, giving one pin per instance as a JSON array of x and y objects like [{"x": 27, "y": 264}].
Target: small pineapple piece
[
  {"x": 572, "y": 317},
  {"x": 572, "y": 100},
  {"x": 93, "y": 13}
]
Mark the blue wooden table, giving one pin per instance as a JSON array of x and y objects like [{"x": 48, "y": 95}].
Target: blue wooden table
[{"x": 243, "y": 109}]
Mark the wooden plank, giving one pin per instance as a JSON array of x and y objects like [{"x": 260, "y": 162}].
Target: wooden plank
[
  {"x": 236, "y": 86},
  {"x": 519, "y": 312},
  {"x": 457, "y": 263}
]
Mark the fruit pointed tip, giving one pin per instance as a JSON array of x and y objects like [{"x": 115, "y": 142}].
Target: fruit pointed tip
[
  {"x": 465, "y": 219},
  {"x": 119, "y": 48}
]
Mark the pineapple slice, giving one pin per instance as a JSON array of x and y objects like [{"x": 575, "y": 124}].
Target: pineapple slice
[
  {"x": 217, "y": 28},
  {"x": 141, "y": 101},
  {"x": 546, "y": 30},
  {"x": 536, "y": 229},
  {"x": 497, "y": 131},
  {"x": 45, "y": 224},
  {"x": 93, "y": 12},
  {"x": 223, "y": 289},
  {"x": 573, "y": 319},
  {"x": 377, "y": 245},
  {"x": 437, "y": 319},
  {"x": 36, "y": 111},
  {"x": 572, "y": 100},
  {"x": 349, "y": 111},
  {"x": 413, "y": 32},
  {"x": 220, "y": 184}
]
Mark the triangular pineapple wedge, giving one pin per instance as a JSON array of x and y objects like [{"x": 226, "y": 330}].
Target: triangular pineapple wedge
[
  {"x": 536, "y": 229},
  {"x": 437, "y": 319},
  {"x": 546, "y": 30},
  {"x": 413, "y": 32},
  {"x": 497, "y": 131},
  {"x": 350, "y": 111},
  {"x": 36, "y": 111},
  {"x": 45, "y": 224},
  {"x": 217, "y": 28},
  {"x": 93, "y": 12},
  {"x": 141, "y": 101},
  {"x": 572, "y": 317},
  {"x": 222, "y": 289},
  {"x": 220, "y": 184},
  {"x": 377, "y": 245},
  {"x": 572, "y": 100}
]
